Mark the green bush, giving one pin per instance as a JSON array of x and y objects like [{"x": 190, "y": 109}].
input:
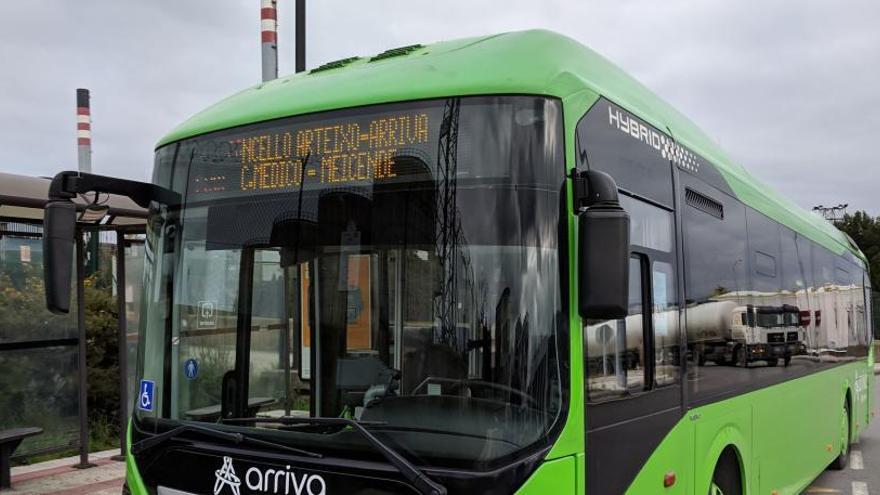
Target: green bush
[
  {"x": 102, "y": 325},
  {"x": 40, "y": 386}
]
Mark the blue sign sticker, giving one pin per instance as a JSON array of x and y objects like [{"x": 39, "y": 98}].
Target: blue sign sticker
[
  {"x": 191, "y": 369},
  {"x": 145, "y": 396}
]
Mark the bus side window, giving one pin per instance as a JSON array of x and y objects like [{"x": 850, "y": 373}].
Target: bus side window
[
  {"x": 874, "y": 302},
  {"x": 615, "y": 352},
  {"x": 869, "y": 308},
  {"x": 665, "y": 324},
  {"x": 614, "y": 366}
]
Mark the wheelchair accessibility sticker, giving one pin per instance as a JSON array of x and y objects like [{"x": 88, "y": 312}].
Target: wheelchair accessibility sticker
[{"x": 145, "y": 396}]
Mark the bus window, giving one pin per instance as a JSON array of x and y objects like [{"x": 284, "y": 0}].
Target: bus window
[
  {"x": 651, "y": 235},
  {"x": 650, "y": 226},
  {"x": 615, "y": 348},
  {"x": 873, "y": 302},
  {"x": 665, "y": 318},
  {"x": 716, "y": 280},
  {"x": 636, "y": 166},
  {"x": 651, "y": 231},
  {"x": 269, "y": 328}
]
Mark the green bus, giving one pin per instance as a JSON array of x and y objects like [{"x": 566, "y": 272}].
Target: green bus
[{"x": 490, "y": 265}]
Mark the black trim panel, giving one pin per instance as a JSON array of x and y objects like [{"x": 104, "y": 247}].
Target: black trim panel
[
  {"x": 612, "y": 468},
  {"x": 37, "y": 344}
]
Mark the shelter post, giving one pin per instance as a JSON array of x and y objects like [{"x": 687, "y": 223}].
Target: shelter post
[
  {"x": 123, "y": 335},
  {"x": 83, "y": 358}
]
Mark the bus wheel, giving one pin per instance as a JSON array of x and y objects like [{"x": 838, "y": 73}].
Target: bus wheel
[
  {"x": 726, "y": 479},
  {"x": 840, "y": 461},
  {"x": 772, "y": 362},
  {"x": 787, "y": 360}
]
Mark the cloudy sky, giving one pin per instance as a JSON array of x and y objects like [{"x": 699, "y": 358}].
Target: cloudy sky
[{"x": 789, "y": 89}]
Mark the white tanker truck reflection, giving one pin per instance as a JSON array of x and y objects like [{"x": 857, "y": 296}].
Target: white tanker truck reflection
[{"x": 719, "y": 331}]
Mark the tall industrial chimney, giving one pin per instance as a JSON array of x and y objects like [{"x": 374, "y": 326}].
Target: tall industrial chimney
[
  {"x": 83, "y": 130},
  {"x": 300, "y": 35},
  {"x": 269, "y": 38}
]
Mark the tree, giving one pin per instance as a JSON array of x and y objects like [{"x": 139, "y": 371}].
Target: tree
[
  {"x": 102, "y": 326},
  {"x": 865, "y": 231}
]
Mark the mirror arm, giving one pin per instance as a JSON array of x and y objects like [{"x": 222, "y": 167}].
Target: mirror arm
[
  {"x": 581, "y": 188},
  {"x": 59, "y": 225},
  {"x": 66, "y": 185},
  {"x": 594, "y": 189}
]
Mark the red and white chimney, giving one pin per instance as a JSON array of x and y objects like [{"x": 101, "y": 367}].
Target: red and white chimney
[
  {"x": 83, "y": 130},
  {"x": 269, "y": 38}
]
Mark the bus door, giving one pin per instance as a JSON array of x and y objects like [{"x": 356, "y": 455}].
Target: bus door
[
  {"x": 280, "y": 345},
  {"x": 367, "y": 330},
  {"x": 633, "y": 385},
  {"x": 632, "y": 365}
]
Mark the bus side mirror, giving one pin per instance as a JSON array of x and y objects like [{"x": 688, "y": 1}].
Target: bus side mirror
[
  {"x": 59, "y": 224},
  {"x": 59, "y": 233},
  {"x": 603, "y": 249}
]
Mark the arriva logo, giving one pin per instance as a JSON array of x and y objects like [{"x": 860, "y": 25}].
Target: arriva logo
[
  {"x": 226, "y": 477},
  {"x": 274, "y": 481}
]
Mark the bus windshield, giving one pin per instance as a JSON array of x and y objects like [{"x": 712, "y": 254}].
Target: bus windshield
[{"x": 395, "y": 264}]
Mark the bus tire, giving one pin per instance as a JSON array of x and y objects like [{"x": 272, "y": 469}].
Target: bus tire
[
  {"x": 787, "y": 360},
  {"x": 839, "y": 462},
  {"x": 726, "y": 480},
  {"x": 772, "y": 362}
]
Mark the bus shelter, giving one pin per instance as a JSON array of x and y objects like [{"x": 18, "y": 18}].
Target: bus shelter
[{"x": 43, "y": 357}]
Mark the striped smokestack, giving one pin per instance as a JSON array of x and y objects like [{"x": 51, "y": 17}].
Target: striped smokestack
[
  {"x": 300, "y": 35},
  {"x": 83, "y": 130},
  {"x": 269, "y": 38}
]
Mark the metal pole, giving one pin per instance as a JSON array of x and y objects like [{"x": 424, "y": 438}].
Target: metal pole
[
  {"x": 300, "y": 35},
  {"x": 269, "y": 38},
  {"x": 123, "y": 335},
  {"x": 83, "y": 359},
  {"x": 83, "y": 130}
]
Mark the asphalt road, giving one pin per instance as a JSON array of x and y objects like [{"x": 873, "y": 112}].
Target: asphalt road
[{"x": 862, "y": 475}]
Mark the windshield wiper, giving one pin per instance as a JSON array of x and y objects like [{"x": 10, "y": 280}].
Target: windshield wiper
[
  {"x": 236, "y": 438},
  {"x": 424, "y": 484}
]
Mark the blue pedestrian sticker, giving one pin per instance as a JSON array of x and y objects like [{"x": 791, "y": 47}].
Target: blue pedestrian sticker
[
  {"x": 145, "y": 396},
  {"x": 191, "y": 369}
]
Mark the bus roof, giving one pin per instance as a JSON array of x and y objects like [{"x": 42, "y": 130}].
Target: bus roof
[{"x": 526, "y": 62}]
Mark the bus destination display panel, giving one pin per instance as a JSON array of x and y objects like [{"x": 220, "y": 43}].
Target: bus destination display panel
[{"x": 348, "y": 151}]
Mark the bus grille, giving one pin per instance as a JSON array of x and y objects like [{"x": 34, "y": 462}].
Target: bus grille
[
  {"x": 792, "y": 336},
  {"x": 775, "y": 337}
]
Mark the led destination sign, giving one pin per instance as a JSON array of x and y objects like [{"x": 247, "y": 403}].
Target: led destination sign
[{"x": 343, "y": 152}]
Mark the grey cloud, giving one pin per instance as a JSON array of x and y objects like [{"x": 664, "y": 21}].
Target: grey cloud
[{"x": 788, "y": 90}]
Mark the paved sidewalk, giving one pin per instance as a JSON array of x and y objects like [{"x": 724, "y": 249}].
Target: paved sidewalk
[{"x": 59, "y": 477}]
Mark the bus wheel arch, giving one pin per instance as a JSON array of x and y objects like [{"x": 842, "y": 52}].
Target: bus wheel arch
[
  {"x": 846, "y": 434},
  {"x": 728, "y": 474},
  {"x": 728, "y": 452}
]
